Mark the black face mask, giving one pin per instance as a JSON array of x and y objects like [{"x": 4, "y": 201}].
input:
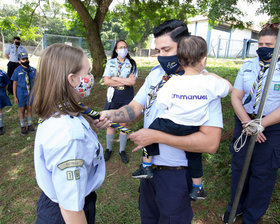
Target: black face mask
[
  {"x": 169, "y": 64},
  {"x": 17, "y": 43},
  {"x": 265, "y": 53},
  {"x": 26, "y": 63}
]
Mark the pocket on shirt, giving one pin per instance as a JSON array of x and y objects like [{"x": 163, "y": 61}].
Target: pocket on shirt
[{"x": 275, "y": 85}]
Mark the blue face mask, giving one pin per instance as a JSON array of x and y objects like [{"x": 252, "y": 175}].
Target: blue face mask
[
  {"x": 169, "y": 64},
  {"x": 265, "y": 53}
]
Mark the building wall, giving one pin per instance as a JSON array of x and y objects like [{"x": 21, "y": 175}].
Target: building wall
[{"x": 223, "y": 42}]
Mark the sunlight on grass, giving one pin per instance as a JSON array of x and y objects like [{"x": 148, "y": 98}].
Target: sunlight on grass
[{"x": 22, "y": 150}]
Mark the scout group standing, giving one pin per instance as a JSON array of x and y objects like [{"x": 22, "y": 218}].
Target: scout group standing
[{"x": 19, "y": 82}]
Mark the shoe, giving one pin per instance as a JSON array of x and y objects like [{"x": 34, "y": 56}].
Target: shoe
[
  {"x": 30, "y": 128},
  {"x": 124, "y": 157},
  {"x": 197, "y": 193},
  {"x": 107, "y": 154},
  {"x": 225, "y": 216},
  {"x": 23, "y": 130},
  {"x": 2, "y": 131},
  {"x": 143, "y": 172}
]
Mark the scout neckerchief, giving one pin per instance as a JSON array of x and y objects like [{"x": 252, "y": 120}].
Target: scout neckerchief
[
  {"x": 258, "y": 82},
  {"x": 153, "y": 95},
  {"x": 27, "y": 79},
  {"x": 96, "y": 115},
  {"x": 120, "y": 64}
]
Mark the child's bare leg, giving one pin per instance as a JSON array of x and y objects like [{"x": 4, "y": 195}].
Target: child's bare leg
[
  {"x": 21, "y": 113},
  {"x": 147, "y": 160},
  {"x": 145, "y": 170},
  {"x": 197, "y": 181}
]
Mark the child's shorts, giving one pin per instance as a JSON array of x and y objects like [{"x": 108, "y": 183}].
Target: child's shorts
[
  {"x": 23, "y": 97},
  {"x": 4, "y": 99}
]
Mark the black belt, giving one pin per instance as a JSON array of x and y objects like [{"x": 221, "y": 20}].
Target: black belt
[
  {"x": 253, "y": 116},
  {"x": 155, "y": 167}
]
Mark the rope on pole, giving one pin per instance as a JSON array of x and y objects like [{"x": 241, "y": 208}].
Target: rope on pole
[{"x": 254, "y": 137}]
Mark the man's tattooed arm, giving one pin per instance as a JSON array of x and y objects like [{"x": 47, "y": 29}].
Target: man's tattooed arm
[{"x": 127, "y": 113}]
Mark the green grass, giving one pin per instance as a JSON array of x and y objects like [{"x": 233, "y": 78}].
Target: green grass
[{"x": 117, "y": 201}]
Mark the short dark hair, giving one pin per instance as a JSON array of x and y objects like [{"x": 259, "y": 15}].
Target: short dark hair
[
  {"x": 176, "y": 28},
  {"x": 191, "y": 50},
  {"x": 16, "y": 38},
  {"x": 269, "y": 30}
]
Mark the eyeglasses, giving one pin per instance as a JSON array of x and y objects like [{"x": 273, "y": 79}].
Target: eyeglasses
[{"x": 272, "y": 25}]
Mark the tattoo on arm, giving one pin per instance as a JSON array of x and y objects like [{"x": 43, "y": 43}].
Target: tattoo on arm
[
  {"x": 119, "y": 115},
  {"x": 125, "y": 114},
  {"x": 130, "y": 112}
]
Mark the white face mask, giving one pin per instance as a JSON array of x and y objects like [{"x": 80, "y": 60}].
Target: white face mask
[
  {"x": 86, "y": 84},
  {"x": 122, "y": 52}
]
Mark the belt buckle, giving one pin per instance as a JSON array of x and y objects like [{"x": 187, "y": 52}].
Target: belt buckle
[{"x": 120, "y": 87}]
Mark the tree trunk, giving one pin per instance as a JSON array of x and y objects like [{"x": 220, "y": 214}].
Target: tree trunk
[
  {"x": 93, "y": 27},
  {"x": 139, "y": 46},
  {"x": 3, "y": 45}
]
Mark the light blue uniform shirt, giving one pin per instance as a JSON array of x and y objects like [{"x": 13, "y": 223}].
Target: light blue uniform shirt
[
  {"x": 245, "y": 79},
  {"x": 68, "y": 159},
  {"x": 170, "y": 156},
  {"x": 112, "y": 67},
  {"x": 13, "y": 52}
]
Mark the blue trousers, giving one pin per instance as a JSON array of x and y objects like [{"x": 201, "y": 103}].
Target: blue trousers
[
  {"x": 262, "y": 173},
  {"x": 164, "y": 199},
  {"x": 48, "y": 212}
]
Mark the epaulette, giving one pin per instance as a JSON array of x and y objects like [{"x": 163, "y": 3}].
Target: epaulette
[{"x": 157, "y": 66}]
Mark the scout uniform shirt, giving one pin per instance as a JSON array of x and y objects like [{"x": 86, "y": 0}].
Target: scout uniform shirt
[
  {"x": 4, "y": 81},
  {"x": 13, "y": 52},
  {"x": 245, "y": 80},
  {"x": 24, "y": 77},
  {"x": 68, "y": 159},
  {"x": 112, "y": 69}
]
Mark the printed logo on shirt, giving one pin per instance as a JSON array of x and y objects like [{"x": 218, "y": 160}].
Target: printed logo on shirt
[
  {"x": 21, "y": 73},
  {"x": 189, "y": 97},
  {"x": 277, "y": 87},
  {"x": 71, "y": 163}
]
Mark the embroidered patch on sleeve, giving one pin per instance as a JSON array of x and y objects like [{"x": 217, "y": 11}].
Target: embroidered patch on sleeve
[
  {"x": 77, "y": 174},
  {"x": 71, "y": 163},
  {"x": 69, "y": 175}
]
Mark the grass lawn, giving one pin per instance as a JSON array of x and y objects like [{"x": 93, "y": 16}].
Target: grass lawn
[{"x": 118, "y": 197}]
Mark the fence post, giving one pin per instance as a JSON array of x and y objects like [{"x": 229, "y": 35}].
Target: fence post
[
  {"x": 244, "y": 48},
  {"x": 229, "y": 39},
  {"x": 218, "y": 50}
]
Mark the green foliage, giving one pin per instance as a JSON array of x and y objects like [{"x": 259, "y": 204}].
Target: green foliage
[
  {"x": 271, "y": 7},
  {"x": 139, "y": 17}
]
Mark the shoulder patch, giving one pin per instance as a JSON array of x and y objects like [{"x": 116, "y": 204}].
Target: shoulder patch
[
  {"x": 157, "y": 66},
  {"x": 71, "y": 163}
]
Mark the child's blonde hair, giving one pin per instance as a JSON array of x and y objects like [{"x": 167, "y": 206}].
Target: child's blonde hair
[{"x": 52, "y": 93}]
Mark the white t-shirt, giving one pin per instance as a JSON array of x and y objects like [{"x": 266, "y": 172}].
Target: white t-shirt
[
  {"x": 185, "y": 99},
  {"x": 170, "y": 156}
]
